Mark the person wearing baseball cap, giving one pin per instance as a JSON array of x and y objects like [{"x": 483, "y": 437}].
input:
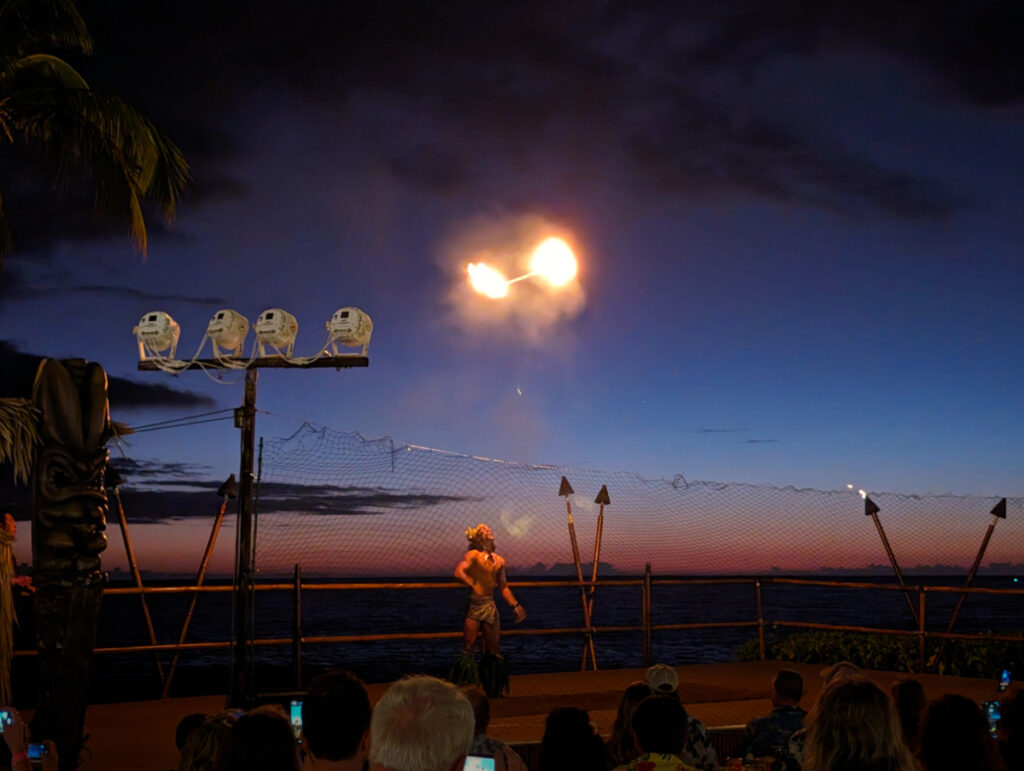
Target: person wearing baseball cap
[{"x": 698, "y": 752}]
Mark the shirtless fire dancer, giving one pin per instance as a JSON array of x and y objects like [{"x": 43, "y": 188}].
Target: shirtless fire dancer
[{"x": 483, "y": 571}]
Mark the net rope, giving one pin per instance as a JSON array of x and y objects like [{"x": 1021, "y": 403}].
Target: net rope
[{"x": 342, "y": 505}]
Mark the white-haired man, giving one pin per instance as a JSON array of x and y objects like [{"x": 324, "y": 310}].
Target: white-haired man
[{"x": 420, "y": 724}]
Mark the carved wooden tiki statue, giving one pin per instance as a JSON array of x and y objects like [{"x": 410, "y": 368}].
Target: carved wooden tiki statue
[{"x": 69, "y": 506}]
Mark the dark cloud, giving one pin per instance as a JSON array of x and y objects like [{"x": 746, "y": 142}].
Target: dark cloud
[
  {"x": 772, "y": 162},
  {"x": 14, "y": 286},
  {"x": 455, "y": 88},
  {"x": 429, "y": 168},
  {"x": 19, "y": 370},
  {"x": 975, "y": 46},
  {"x": 761, "y": 441},
  {"x": 151, "y": 469},
  {"x": 137, "y": 294},
  {"x": 154, "y": 492},
  {"x": 179, "y": 499},
  {"x": 721, "y": 430}
]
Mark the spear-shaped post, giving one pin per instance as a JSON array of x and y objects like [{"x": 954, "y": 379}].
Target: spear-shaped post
[
  {"x": 871, "y": 510},
  {"x": 603, "y": 500},
  {"x": 998, "y": 512},
  {"x": 226, "y": 491},
  {"x": 565, "y": 490},
  {"x": 113, "y": 481}
]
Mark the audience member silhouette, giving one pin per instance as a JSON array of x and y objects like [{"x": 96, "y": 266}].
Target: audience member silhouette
[
  {"x": 185, "y": 726},
  {"x": 261, "y": 740},
  {"x": 570, "y": 742},
  {"x": 853, "y": 727},
  {"x": 698, "y": 752},
  {"x": 955, "y": 737},
  {"x": 908, "y": 696},
  {"x": 1011, "y": 731},
  {"x": 659, "y": 729},
  {"x": 621, "y": 744},
  {"x": 505, "y": 758},
  {"x": 769, "y": 736},
  {"x": 336, "y": 722},
  {"x": 420, "y": 724},
  {"x": 204, "y": 744}
]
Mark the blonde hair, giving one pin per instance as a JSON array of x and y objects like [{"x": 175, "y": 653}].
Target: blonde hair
[
  {"x": 206, "y": 742},
  {"x": 853, "y": 727},
  {"x": 474, "y": 533}
]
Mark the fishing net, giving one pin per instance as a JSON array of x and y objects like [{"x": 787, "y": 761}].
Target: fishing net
[{"x": 341, "y": 505}]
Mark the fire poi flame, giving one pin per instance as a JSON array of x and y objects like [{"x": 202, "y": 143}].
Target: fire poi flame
[
  {"x": 552, "y": 259},
  {"x": 487, "y": 281}
]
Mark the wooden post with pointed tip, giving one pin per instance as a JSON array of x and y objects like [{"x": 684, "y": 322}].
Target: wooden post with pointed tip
[
  {"x": 112, "y": 480},
  {"x": 226, "y": 491},
  {"x": 998, "y": 512},
  {"x": 602, "y": 499},
  {"x": 871, "y": 510},
  {"x": 565, "y": 490}
]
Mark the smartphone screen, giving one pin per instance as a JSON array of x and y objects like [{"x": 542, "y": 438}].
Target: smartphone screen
[
  {"x": 36, "y": 750},
  {"x": 1004, "y": 681},
  {"x": 991, "y": 709},
  {"x": 6, "y": 719},
  {"x": 479, "y": 763},
  {"x": 295, "y": 715}
]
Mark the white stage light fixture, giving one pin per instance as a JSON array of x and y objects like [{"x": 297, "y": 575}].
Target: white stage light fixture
[
  {"x": 157, "y": 332},
  {"x": 351, "y": 327},
  {"x": 277, "y": 328},
  {"x": 227, "y": 330}
]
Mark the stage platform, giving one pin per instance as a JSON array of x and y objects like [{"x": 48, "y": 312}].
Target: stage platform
[{"x": 140, "y": 735}]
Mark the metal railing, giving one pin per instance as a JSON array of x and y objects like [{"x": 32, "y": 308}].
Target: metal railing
[{"x": 647, "y": 627}]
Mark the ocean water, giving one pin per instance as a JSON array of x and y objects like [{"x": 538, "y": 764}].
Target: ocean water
[{"x": 380, "y": 611}]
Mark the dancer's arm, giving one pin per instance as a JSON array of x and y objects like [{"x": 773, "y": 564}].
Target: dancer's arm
[
  {"x": 460, "y": 571},
  {"x": 506, "y": 593}
]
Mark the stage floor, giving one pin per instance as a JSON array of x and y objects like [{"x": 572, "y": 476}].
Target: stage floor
[{"x": 140, "y": 735}]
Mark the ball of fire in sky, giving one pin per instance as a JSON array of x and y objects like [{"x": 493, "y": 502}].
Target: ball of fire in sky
[
  {"x": 487, "y": 281},
  {"x": 513, "y": 277},
  {"x": 553, "y": 259}
]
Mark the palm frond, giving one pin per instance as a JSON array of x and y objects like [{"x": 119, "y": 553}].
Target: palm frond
[
  {"x": 18, "y": 435},
  {"x": 127, "y": 159},
  {"x": 44, "y": 100},
  {"x": 29, "y": 25},
  {"x": 45, "y": 67}
]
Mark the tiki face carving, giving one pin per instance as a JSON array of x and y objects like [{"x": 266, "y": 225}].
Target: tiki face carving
[{"x": 70, "y": 500}]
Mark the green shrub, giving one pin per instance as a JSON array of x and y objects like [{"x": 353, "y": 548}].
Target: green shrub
[{"x": 982, "y": 657}]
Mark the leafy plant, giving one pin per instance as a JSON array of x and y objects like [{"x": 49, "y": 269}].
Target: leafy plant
[{"x": 981, "y": 657}]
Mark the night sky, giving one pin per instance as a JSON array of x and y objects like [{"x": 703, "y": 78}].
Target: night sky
[{"x": 798, "y": 224}]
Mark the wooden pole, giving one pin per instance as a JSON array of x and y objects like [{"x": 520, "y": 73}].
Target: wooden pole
[
  {"x": 760, "y": 619},
  {"x": 921, "y": 632},
  {"x": 565, "y": 490},
  {"x": 245, "y": 419},
  {"x": 114, "y": 480},
  {"x": 871, "y": 509},
  {"x": 602, "y": 499},
  {"x": 645, "y": 615},
  {"x": 226, "y": 491},
  {"x": 297, "y": 627},
  {"x": 999, "y": 512}
]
